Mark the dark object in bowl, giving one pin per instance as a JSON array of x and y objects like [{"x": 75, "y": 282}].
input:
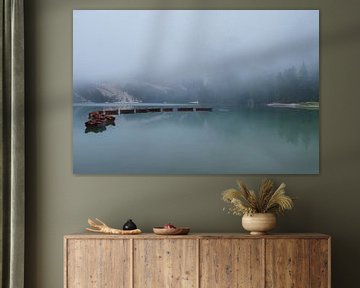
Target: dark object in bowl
[{"x": 129, "y": 225}]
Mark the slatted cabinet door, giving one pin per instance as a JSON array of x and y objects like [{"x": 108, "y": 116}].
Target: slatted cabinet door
[
  {"x": 320, "y": 263},
  {"x": 165, "y": 263},
  {"x": 287, "y": 263},
  {"x": 231, "y": 263},
  {"x": 297, "y": 263},
  {"x": 98, "y": 263}
]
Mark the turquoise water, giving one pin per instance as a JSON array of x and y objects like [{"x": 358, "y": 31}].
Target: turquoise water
[{"x": 263, "y": 140}]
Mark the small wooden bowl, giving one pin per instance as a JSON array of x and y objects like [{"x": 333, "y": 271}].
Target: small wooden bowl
[{"x": 171, "y": 231}]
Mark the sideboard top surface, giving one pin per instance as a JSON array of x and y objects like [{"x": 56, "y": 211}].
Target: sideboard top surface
[{"x": 86, "y": 235}]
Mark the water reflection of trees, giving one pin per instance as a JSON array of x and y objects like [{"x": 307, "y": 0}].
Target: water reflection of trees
[
  {"x": 299, "y": 127},
  {"x": 295, "y": 126}
]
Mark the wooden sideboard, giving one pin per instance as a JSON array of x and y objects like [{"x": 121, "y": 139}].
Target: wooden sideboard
[{"x": 197, "y": 260}]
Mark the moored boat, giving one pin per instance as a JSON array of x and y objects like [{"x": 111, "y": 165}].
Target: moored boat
[
  {"x": 95, "y": 123},
  {"x": 96, "y": 114},
  {"x": 100, "y": 121}
]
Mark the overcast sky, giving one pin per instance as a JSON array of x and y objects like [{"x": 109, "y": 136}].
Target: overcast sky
[{"x": 132, "y": 44}]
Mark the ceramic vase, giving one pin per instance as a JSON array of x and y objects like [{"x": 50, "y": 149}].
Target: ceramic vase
[{"x": 259, "y": 223}]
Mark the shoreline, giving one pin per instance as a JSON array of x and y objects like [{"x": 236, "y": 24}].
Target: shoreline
[{"x": 301, "y": 105}]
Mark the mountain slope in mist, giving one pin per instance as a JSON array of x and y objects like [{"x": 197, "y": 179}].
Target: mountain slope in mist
[{"x": 292, "y": 85}]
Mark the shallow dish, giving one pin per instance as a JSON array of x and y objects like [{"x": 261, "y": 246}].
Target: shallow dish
[{"x": 171, "y": 231}]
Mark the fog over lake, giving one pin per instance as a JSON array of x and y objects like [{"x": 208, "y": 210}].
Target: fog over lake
[{"x": 168, "y": 45}]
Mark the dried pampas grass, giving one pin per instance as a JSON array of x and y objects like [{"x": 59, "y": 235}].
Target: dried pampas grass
[{"x": 245, "y": 201}]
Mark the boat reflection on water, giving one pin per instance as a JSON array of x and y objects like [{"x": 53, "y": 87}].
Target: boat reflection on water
[{"x": 93, "y": 129}]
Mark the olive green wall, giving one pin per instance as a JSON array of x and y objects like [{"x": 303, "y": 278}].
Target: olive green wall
[{"x": 59, "y": 202}]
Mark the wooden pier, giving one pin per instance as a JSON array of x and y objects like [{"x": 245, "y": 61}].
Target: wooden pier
[
  {"x": 150, "y": 110},
  {"x": 98, "y": 120},
  {"x": 127, "y": 111},
  {"x": 154, "y": 109},
  {"x": 203, "y": 109},
  {"x": 141, "y": 110},
  {"x": 106, "y": 114},
  {"x": 185, "y": 109}
]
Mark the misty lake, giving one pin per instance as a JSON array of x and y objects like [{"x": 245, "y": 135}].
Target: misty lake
[{"x": 264, "y": 140}]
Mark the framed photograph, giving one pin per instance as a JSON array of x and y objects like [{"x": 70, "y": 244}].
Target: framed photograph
[{"x": 196, "y": 92}]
